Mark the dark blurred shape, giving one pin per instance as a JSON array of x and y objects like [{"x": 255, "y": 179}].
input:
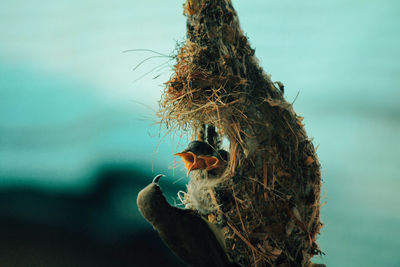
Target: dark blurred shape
[
  {"x": 183, "y": 230},
  {"x": 99, "y": 227}
]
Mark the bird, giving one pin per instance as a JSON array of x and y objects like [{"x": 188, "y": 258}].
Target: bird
[
  {"x": 183, "y": 230},
  {"x": 200, "y": 155},
  {"x": 207, "y": 169}
]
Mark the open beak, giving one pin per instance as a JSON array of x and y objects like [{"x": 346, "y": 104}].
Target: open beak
[
  {"x": 194, "y": 162},
  {"x": 191, "y": 161},
  {"x": 211, "y": 162}
]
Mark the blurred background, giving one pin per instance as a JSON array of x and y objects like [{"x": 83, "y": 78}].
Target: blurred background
[{"x": 78, "y": 138}]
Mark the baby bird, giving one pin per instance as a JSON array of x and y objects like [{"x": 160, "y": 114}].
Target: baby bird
[
  {"x": 206, "y": 166},
  {"x": 200, "y": 155}
]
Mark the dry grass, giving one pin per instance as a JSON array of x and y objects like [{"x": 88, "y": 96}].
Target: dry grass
[{"x": 269, "y": 198}]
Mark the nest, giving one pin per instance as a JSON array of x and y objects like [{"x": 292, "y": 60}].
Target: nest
[{"x": 267, "y": 202}]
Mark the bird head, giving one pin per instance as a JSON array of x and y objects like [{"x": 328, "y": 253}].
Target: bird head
[{"x": 200, "y": 155}]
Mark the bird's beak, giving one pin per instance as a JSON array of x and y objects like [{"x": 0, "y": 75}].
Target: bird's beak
[
  {"x": 191, "y": 161},
  {"x": 211, "y": 162}
]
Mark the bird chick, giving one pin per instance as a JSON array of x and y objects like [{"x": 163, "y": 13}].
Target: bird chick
[
  {"x": 200, "y": 155},
  {"x": 206, "y": 166}
]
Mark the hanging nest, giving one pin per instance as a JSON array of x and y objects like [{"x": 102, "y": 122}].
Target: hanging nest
[{"x": 267, "y": 203}]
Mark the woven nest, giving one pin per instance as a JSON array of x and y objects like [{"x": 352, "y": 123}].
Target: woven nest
[{"x": 267, "y": 203}]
